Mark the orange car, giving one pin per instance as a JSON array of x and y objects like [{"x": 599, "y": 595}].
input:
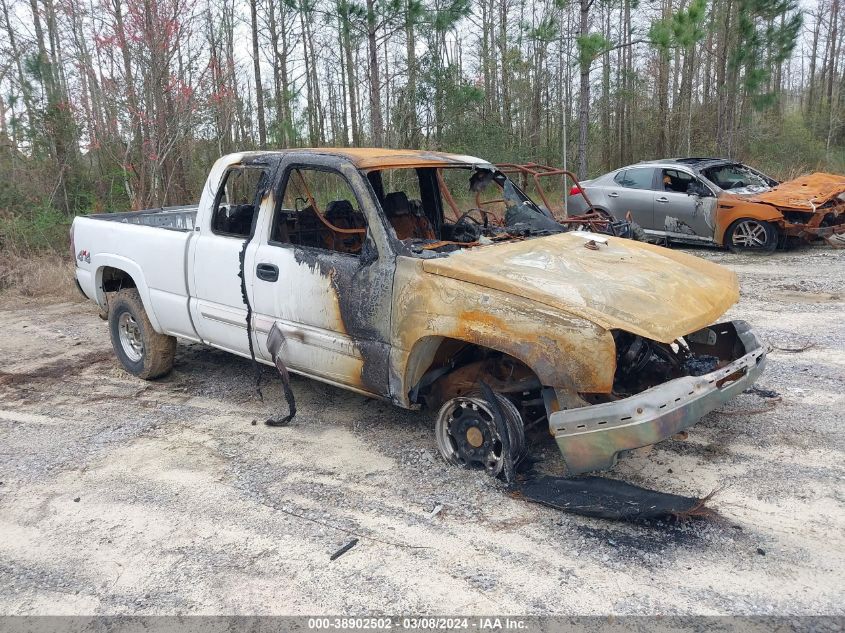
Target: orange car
[{"x": 719, "y": 201}]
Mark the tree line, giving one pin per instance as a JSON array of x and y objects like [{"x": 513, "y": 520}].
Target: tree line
[{"x": 111, "y": 104}]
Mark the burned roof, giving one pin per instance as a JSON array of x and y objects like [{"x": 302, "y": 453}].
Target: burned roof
[
  {"x": 703, "y": 163},
  {"x": 368, "y": 158},
  {"x": 697, "y": 163}
]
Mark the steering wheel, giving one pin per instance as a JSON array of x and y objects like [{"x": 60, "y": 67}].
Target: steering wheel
[
  {"x": 466, "y": 216},
  {"x": 466, "y": 229},
  {"x": 739, "y": 184}
]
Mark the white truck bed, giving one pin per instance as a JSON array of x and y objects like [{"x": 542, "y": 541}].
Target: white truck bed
[
  {"x": 175, "y": 218},
  {"x": 150, "y": 245}
]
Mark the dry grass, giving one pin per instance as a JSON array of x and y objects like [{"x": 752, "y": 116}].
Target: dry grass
[{"x": 45, "y": 278}]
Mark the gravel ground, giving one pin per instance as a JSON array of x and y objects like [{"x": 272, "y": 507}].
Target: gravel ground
[{"x": 119, "y": 496}]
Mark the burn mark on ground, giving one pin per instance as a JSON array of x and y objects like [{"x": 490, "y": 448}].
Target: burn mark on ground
[
  {"x": 711, "y": 451},
  {"x": 56, "y": 369},
  {"x": 650, "y": 545}
]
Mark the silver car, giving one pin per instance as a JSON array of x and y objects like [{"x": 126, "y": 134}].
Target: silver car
[{"x": 673, "y": 199}]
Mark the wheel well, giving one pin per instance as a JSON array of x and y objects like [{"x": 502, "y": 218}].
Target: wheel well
[
  {"x": 114, "y": 279},
  {"x": 457, "y": 367},
  {"x": 600, "y": 209},
  {"x": 776, "y": 225}
]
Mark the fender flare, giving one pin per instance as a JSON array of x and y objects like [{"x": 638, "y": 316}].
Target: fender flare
[
  {"x": 102, "y": 260},
  {"x": 413, "y": 364},
  {"x": 420, "y": 358}
]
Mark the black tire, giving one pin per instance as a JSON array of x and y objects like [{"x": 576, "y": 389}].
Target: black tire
[
  {"x": 142, "y": 351},
  {"x": 748, "y": 235},
  {"x": 455, "y": 451},
  {"x": 603, "y": 212}
]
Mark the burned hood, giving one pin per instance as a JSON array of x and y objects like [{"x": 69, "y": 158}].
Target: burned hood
[
  {"x": 806, "y": 192},
  {"x": 640, "y": 288}
]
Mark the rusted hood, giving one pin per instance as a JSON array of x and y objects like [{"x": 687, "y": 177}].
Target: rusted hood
[
  {"x": 806, "y": 192},
  {"x": 640, "y": 288}
]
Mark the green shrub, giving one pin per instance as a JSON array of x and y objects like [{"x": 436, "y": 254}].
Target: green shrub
[{"x": 44, "y": 229}]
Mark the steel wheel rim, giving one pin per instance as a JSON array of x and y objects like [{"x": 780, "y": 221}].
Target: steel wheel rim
[
  {"x": 749, "y": 234},
  {"x": 450, "y": 444},
  {"x": 131, "y": 341}
]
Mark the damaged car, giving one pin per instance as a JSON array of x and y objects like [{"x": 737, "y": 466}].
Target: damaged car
[
  {"x": 374, "y": 270},
  {"x": 719, "y": 201}
]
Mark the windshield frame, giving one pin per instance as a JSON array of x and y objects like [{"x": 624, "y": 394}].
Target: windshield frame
[
  {"x": 769, "y": 182},
  {"x": 479, "y": 175},
  {"x": 500, "y": 178}
]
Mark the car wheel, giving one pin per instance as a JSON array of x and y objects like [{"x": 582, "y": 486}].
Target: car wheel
[
  {"x": 142, "y": 351},
  {"x": 467, "y": 435},
  {"x": 748, "y": 235},
  {"x": 603, "y": 212}
]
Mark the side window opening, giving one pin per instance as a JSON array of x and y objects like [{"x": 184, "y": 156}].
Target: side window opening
[
  {"x": 238, "y": 201},
  {"x": 319, "y": 210},
  {"x": 401, "y": 199},
  {"x": 676, "y": 181},
  {"x": 640, "y": 178}
]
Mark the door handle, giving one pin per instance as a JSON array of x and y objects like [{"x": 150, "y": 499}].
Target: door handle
[
  {"x": 662, "y": 199},
  {"x": 613, "y": 194},
  {"x": 267, "y": 272}
]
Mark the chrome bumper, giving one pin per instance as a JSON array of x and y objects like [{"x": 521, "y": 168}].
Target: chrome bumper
[{"x": 590, "y": 438}]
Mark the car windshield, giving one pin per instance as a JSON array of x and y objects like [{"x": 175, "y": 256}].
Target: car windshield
[
  {"x": 738, "y": 178},
  {"x": 447, "y": 208}
]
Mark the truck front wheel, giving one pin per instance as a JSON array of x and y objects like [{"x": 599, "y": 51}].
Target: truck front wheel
[
  {"x": 142, "y": 351},
  {"x": 467, "y": 434}
]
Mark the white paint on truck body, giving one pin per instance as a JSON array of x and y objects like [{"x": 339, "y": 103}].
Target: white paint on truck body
[{"x": 189, "y": 284}]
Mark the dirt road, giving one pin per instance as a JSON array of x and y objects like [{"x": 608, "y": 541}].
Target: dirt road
[{"x": 120, "y": 496}]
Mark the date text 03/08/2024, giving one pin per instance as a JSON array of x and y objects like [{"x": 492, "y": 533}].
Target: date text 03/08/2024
[{"x": 418, "y": 623}]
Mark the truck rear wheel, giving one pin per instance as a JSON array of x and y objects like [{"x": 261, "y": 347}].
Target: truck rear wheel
[{"x": 142, "y": 351}]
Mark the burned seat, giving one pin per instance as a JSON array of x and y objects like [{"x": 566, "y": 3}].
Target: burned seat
[
  {"x": 341, "y": 214},
  {"x": 235, "y": 219},
  {"x": 407, "y": 220},
  {"x": 309, "y": 230}
]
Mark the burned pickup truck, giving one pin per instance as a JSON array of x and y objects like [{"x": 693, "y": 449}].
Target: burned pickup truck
[{"x": 345, "y": 259}]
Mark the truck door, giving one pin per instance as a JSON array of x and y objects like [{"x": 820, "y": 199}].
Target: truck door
[
  {"x": 632, "y": 191},
  {"x": 679, "y": 207},
  {"x": 320, "y": 278},
  {"x": 217, "y": 305}
]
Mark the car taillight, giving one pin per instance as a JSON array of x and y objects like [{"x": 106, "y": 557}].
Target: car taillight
[
  {"x": 72, "y": 245},
  {"x": 575, "y": 190}
]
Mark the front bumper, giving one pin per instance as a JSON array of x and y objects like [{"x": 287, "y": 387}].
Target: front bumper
[
  {"x": 833, "y": 235},
  {"x": 590, "y": 438}
]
